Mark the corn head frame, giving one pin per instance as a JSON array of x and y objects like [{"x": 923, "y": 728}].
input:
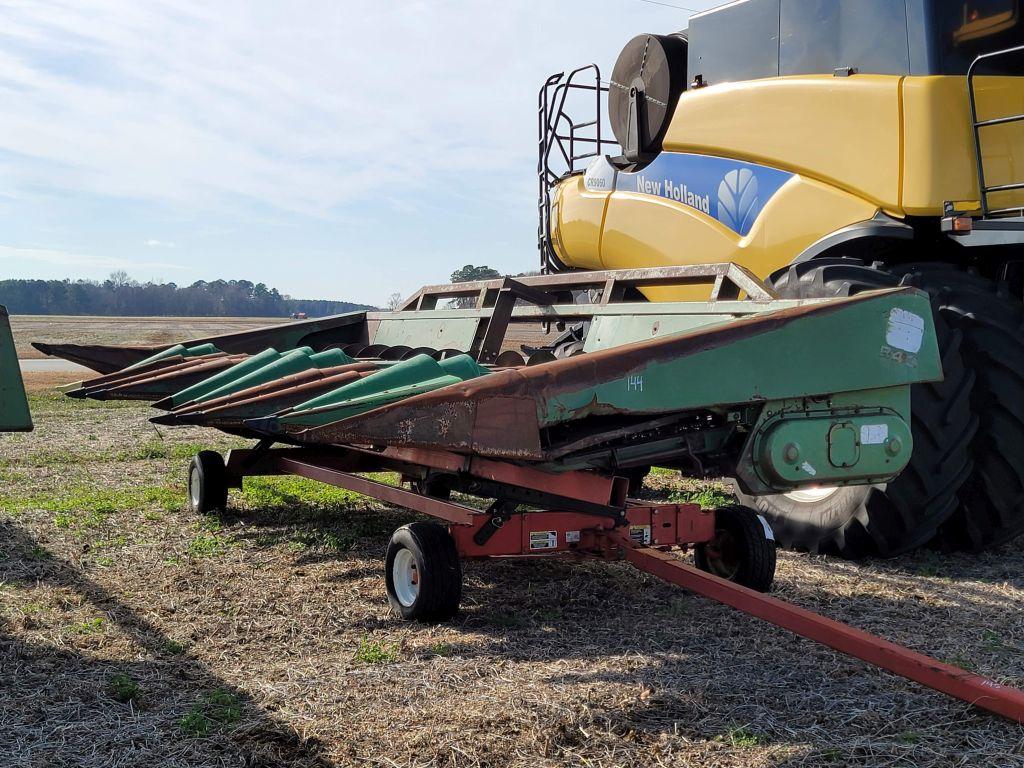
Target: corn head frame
[{"x": 778, "y": 394}]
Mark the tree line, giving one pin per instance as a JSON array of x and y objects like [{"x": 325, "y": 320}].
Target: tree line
[{"x": 120, "y": 295}]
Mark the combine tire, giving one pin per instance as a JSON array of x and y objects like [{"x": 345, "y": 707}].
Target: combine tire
[
  {"x": 423, "y": 573},
  {"x": 991, "y": 321},
  {"x": 741, "y": 550},
  {"x": 207, "y": 483},
  {"x": 883, "y": 521}
]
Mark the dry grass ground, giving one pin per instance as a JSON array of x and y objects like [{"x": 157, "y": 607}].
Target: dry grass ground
[
  {"x": 135, "y": 634},
  {"x": 87, "y": 329}
]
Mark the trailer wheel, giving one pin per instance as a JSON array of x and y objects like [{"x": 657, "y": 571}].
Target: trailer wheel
[
  {"x": 741, "y": 550},
  {"x": 883, "y": 520},
  {"x": 207, "y": 483},
  {"x": 423, "y": 573}
]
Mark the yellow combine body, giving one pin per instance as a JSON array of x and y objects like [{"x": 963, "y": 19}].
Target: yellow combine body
[
  {"x": 828, "y": 148},
  {"x": 851, "y": 148}
]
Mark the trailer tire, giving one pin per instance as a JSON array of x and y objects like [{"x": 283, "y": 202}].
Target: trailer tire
[
  {"x": 207, "y": 483},
  {"x": 741, "y": 551},
  {"x": 991, "y": 319},
  {"x": 886, "y": 520},
  {"x": 423, "y": 573}
]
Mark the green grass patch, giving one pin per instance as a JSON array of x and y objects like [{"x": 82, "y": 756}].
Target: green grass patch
[
  {"x": 706, "y": 498},
  {"x": 121, "y": 687},
  {"x": 148, "y": 451},
  {"x": 372, "y": 652},
  {"x": 742, "y": 736},
  {"x": 442, "y": 649},
  {"x": 291, "y": 493},
  {"x": 86, "y": 506},
  {"x": 204, "y": 545},
  {"x": 172, "y": 647},
  {"x": 89, "y": 626},
  {"x": 216, "y": 710}
]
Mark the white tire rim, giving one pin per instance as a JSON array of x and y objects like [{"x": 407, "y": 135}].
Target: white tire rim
[
  {"x": 193, "y": 486},
  {"x": 406, "y": 577},
  {"x": 811, "y": 495}
]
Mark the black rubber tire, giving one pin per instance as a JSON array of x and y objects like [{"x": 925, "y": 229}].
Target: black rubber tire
[
  {"x": 885, "y": 521},
  {"x": 991, "y": 321},
  {"x": 207, "y": 483},
  {"x": 438, "y": 569},
  {"x": 750, "y": 554}
]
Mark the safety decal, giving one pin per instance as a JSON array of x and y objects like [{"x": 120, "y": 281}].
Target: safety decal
[{"x": 543, "y": 540}]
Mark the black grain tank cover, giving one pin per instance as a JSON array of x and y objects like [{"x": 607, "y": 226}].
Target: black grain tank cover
[
  {"x": 656, "y": 64},
  {"x": 753, "y": 39}
]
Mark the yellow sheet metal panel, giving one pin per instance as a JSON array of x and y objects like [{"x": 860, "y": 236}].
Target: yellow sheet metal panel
[
  {"x": 939, "y": 160},
  {"x": 643, "y": 231},
  {"x": 576, "y": 223},
  {"x": 841, "y": 130}
]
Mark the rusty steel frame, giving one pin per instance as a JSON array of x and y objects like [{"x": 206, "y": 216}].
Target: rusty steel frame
[{"x": 604, "y": 539}]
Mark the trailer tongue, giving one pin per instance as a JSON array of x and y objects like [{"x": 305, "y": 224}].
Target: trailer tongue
[{"x": 781, "y": 395}]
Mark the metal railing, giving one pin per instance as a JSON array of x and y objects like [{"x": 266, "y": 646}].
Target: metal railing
[
  {"x": 565, "y": 144},
  {"x": 978, "y": 125}
]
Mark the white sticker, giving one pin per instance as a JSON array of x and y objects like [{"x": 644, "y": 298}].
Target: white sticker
[
  {"x": 543, "y": 539},
  {"x": 572, "y": 537},
  {"x": 874, "y": 434},
  {"x": 641, "y": 534},
  {"x": 809, "y": 468},
  {"x": 768, "y": 532},
  {"x": 905, "y": 331},
  {"x": 600, "y": 176}
]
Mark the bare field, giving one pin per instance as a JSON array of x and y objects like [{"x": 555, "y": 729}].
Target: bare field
[
  {"x": 88, "y": 329},
  {"x": 135, "y": 634}
]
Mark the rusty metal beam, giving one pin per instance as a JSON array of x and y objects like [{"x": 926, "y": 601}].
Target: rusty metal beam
[
  {"x": 953, "y": 681},
  {"x": 583, "y": 486},
  {"x": 336, "y": 469}
]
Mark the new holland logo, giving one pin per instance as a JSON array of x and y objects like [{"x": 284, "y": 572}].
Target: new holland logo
[{"x": 738, "y": 200}]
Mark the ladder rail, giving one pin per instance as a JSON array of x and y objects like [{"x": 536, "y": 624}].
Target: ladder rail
[{"x": 977, "y": 125}]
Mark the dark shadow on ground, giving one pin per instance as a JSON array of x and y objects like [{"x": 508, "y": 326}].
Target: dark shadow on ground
[{"x": 58, "y": 700}]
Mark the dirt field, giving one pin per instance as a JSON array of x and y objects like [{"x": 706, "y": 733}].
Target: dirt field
[
  {"x": 88, "y": 329},
  {"x": 135, "y": 634}
]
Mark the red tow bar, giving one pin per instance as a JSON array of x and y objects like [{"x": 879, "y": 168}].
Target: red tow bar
[{"x": 953, "y": 681}]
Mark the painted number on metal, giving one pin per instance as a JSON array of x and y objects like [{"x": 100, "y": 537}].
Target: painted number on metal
[
  {"x": 543, "y": 540},
  {"x": 635, "y": 384}
]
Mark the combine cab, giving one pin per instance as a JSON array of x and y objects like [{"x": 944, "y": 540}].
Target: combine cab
[{"x": 830, "y": 149}]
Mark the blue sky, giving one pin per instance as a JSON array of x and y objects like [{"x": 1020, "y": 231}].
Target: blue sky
[{"x": 341, "y": 150}]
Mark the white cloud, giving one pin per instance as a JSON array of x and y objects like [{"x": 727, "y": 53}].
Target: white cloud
[
  {"x": 159, "y": 244},
  {"x": 303, "y": 107},
  {"x": 78, "y": 260}
]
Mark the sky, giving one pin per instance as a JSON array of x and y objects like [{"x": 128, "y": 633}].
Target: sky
[{"x": 332, "y": 149}]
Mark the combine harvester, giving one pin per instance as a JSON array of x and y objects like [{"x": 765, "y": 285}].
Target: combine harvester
[
  {"x": 780, "y": 394},
  {"x": 830, "y": 148},
  {"x": 814, "y": 390}
]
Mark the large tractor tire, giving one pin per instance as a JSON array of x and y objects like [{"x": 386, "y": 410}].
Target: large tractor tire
[
  {"x": 905, "y": 514},
  {"x": 991, "y": 322}
]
